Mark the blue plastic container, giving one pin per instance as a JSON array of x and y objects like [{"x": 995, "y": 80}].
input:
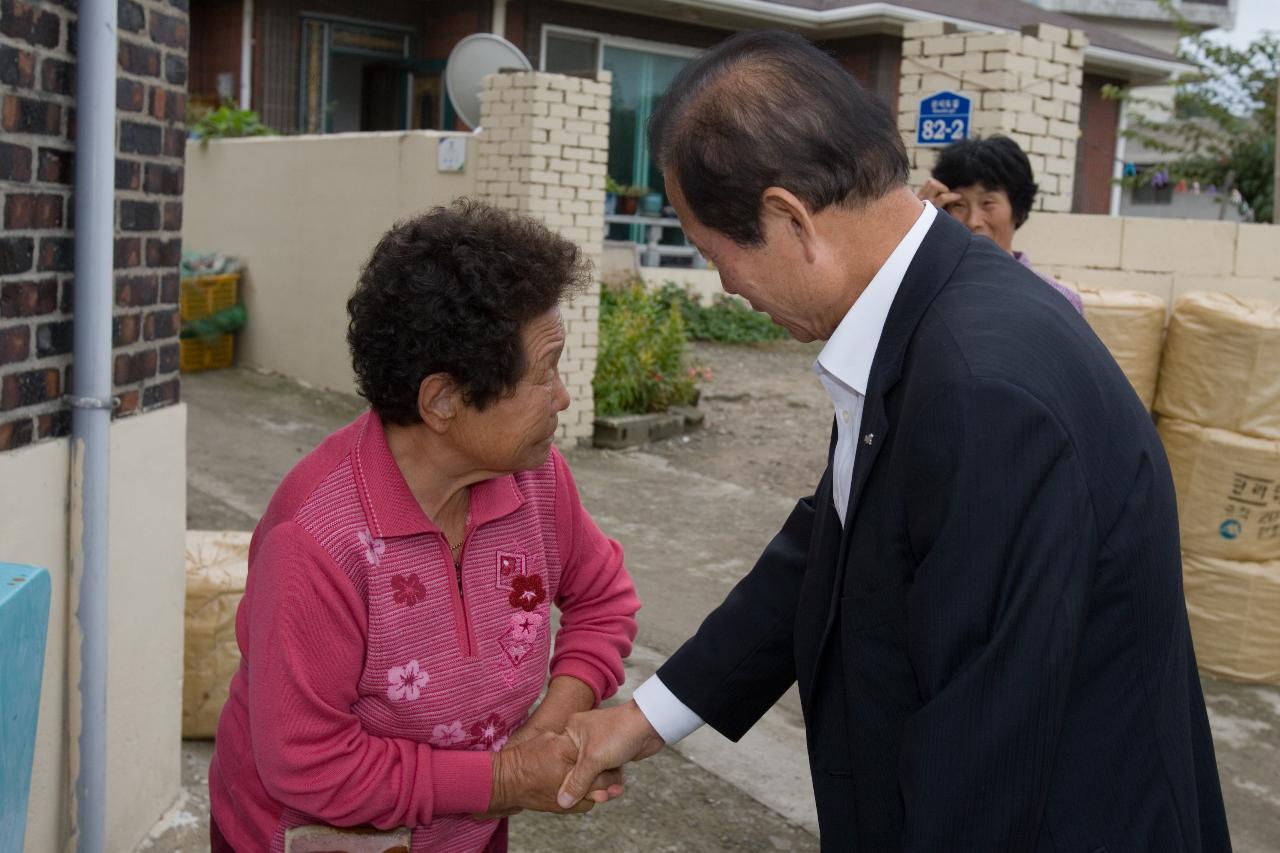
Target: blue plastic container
[{"x": 24, "y": 623}]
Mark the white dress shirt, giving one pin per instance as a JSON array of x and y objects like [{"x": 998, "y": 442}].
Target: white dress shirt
[{"x": 844, "y": 368}]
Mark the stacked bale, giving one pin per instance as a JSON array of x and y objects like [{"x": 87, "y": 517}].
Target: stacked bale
[
  {"x": 1131, "y": 324},
  {"x": 1219, "y": 406},
  {"x": 217, "y": 566}
]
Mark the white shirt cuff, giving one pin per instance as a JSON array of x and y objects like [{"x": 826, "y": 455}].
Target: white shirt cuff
[{"x": 670, "y": 717}]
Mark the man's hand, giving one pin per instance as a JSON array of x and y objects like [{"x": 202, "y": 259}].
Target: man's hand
[
  {"x": 528, "y": 774},
  {"x": 604, "y": 739},
  {"x": 938, "y": 193},
  {"x": 565, "y": 697}
]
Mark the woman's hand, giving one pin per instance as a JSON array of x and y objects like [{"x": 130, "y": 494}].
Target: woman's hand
[
  {"x": 565, "y": 697},
  {"x": 938, "y": 194},
  {"x": 529, "y": 774}
]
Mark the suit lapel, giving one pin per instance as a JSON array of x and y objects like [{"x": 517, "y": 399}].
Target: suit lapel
[
  {"x": 932, "y": 266},
  {"x": 873, "y": 428}
]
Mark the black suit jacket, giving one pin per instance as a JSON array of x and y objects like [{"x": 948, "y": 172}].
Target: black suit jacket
[{"x": 993, "y": 652}]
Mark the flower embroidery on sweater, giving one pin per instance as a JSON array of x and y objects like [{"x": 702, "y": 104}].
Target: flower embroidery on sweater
[
  {"x": 450, "y": 735},
  {"x": 373, "y": 547},
  {"x": 524, "y": 626},
  {"x": 527, "y": 592},
  {"x": 487, "y": 734},
  {"x": 405, "y": 683},
  {"x": 407, "y": 590}
]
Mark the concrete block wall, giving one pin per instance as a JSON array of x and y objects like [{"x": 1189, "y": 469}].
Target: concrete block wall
[
  {"x": 1026, "y": 86},
  {"x": 1162, "y": 256},
  {"x": 543, "y": 152}
]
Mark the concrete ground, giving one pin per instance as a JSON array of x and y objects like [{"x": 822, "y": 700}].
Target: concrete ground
[{"x": 692, "y": 514}]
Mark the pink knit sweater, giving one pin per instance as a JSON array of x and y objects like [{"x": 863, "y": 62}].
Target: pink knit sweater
[{"x": 370, "y": 691}]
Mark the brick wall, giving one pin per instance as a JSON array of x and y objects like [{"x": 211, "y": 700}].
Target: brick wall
[
  {"x": 215, "y": 48},
  {"x": 1096, "y": 154},
  {"x": 1025, "y": 86},
  {"x": 543, "y": 153},
  {"x": 37, "y": 249}
]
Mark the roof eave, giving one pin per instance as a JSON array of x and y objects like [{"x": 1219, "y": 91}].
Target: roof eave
[
  {"x": 1138, "y": 70},
  {"x": 1135, "y": 68}
]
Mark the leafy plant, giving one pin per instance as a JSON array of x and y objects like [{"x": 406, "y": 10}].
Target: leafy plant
[
  {"x": 612, "y": 186},
  {"x": 725, "y": 320},
  {"x": 1222, "y": 131},
  {"x": 226, "y": 122},
  {"x": 633, "y": 191},
  {"x": 640, "y": 365}
]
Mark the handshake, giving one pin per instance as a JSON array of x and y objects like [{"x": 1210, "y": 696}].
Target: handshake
[{"x": 572, "y": 769}]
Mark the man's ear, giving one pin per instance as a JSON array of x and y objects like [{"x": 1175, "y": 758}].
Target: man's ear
[
  {"x": 785, "y": 217},
  {"x": 438, "y": 400}
]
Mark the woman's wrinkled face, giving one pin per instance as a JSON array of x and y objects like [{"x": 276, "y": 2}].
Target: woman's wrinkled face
[
  {"x": 986, "y": 212},
  {"x": 515, "y": 432}
]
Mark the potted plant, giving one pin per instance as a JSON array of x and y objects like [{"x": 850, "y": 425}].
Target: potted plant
[
  {"x": 611, "y": 191},
  {"x": 629, "y": 199},
  {"x": 651, "y": 204}
]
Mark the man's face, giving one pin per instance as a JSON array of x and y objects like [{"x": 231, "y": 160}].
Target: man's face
[
  {"x": 771, "y": 276},
  {"x": 986, "y": 212}
]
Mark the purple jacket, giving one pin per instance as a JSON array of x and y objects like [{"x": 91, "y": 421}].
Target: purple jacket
[{"x": 1071, "y": 295}]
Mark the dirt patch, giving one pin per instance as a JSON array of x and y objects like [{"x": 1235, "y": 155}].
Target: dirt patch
[{"x": 768, "y": 418}]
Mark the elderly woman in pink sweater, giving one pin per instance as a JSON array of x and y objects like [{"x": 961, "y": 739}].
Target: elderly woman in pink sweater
[{"x": 396, "y": 625}]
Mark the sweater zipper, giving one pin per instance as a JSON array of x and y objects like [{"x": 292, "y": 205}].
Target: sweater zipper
[{"x": 462, "y": 618}]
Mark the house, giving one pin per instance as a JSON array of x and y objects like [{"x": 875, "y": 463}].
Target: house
[
  {"x": 1148, "y": 22},
  {"x": 343, "y": 65}
]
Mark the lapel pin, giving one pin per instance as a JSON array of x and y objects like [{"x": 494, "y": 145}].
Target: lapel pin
[{"x": 868, "y": 438}]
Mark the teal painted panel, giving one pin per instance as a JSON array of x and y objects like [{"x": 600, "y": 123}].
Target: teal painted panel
[{"x": 24, "y": 622}]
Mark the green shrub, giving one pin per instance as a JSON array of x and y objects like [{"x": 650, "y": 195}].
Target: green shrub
[
  {"x": 640, "y": 365},
  {"x": 725, "y": 320},
  {"x": 226, "y": 122}
]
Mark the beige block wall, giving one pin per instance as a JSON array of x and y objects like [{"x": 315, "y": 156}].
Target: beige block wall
[
  {"x": 145, "y": 608},
  {"x": 305, "y": 212},
  {"x": 1161, "y": 256},
  {"x": 704, "y": 284},
  {"x": 543, "y": 152},
  {"x": 1026, "y": 86}
]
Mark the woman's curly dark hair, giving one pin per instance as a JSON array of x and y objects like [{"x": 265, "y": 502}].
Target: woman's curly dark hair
[
  {"x": 996, "y": 163},
  {"x": 449, "y": 291}
]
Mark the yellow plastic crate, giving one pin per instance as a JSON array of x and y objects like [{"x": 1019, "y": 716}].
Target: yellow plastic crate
[
  {"x": 208, "y": 294},
  {"x": 198, "y": 354}
]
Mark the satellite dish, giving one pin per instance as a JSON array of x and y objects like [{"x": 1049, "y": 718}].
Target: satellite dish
[{"x": 471, "y": 60}]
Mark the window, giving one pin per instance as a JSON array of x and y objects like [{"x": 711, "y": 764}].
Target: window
[
  {"x": 642, "y": 71},
  {"x": 567, "y": 53}
]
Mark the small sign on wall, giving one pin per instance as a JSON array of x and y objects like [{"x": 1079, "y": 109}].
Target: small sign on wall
[
  {"x": 944, "y": 118},
  {"x": 451, "y": 154}
]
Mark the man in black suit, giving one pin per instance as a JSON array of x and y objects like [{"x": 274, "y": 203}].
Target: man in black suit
[{"x": 982, "y": 600}]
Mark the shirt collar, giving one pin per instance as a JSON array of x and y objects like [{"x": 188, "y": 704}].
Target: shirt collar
[
  {"x": 389, "y": 504},
  {"x": 849, "y": 351}
]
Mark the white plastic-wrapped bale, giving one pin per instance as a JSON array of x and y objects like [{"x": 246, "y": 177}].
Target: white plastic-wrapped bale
[
  {"x": 217, "y": 566},
  {"x": 1228, "y": 491},
  {"x": 1131, "y": 324},
  {"x": 1233, "y": 608},
  {"x": 1221, "y": 364}
]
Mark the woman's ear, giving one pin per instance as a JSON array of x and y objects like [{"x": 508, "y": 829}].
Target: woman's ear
[
  {"x": 784, "y": 217},
  {"x": 438, "y": 400}
]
